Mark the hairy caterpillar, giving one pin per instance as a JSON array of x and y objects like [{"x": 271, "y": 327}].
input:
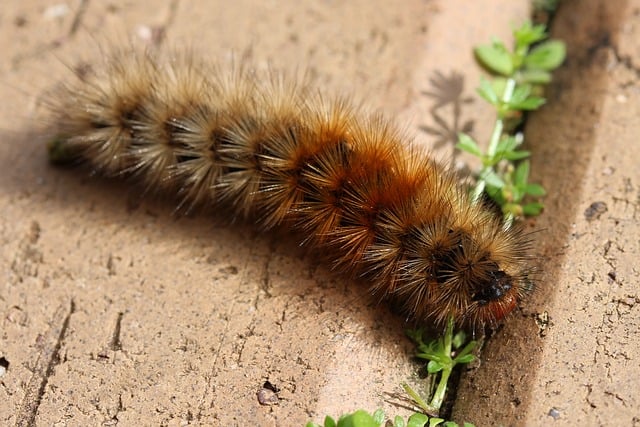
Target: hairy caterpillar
[{"x": 276, "y": 151}]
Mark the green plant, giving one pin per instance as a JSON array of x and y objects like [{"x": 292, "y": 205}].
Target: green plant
[
  {"x": 519, "y": 77},
  {"x": 443, "y": 354},
  {"x": 361, "y": 418}
]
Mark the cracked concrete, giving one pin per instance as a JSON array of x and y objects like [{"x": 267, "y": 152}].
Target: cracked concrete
[
  {"x": 49, "y": 346},
  {"x": 116, "y": 312}
]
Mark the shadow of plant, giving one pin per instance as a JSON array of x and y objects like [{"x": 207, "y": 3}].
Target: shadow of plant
[{"x": 447, "y": 91}]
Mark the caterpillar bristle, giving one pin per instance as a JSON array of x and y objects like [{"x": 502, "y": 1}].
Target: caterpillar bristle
[{"x": 272, "y": 149}]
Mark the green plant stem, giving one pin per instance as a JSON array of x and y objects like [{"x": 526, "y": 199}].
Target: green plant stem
[
  {"x": 495, "y": 137},
  {"x": 426, "y": 408},
  {"x": 438, "y": 396},
  {"x": 447, "y": 363}
]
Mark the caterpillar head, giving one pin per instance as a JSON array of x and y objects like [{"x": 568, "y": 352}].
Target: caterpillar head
[{"x": 477, "y": 274}]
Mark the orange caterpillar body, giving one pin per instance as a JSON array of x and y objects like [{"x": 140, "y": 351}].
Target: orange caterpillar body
[{"x": 279, "y": 153}]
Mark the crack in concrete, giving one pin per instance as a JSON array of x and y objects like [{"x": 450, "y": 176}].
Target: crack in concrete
[
  {"x": 210, "y": 387},
  {"x": 265, "y": 277},
  {"x": 264, "y": 280},
  {"x": 114, "y": 419},
  {"x": 115, "y": 343},
  {"x": 243, "y": 342},
  {"x": 48, "y": 358},
  {"x": 588, "y": 395},
  {"x": 616, "y": 396}
]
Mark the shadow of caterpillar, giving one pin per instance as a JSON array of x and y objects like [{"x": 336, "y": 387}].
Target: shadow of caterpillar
[{"x": 274, "y": 150}]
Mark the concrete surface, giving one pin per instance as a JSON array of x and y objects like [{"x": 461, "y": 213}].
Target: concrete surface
[{"x": 113, "y": 311}]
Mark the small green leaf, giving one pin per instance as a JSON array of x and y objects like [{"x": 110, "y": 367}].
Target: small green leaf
[
  {"x": 521, "y": 174},
  {"x": 398, "y": 421},
  {"x": 312, "y": 424},
  {"x": 546, "y": 56},
  {"x": 360, "y": 418},
  {"x": 537, "y": 77},
  {"x": 467, "y": 358},
  {"x": 487, "y": 92},
  {"x": 329, "y": 422},
  {"x": 496, "y": 194},
  {"x": 499, "y": 84},
  {"x": 532, "y": 209},
  {"x": 520, "y": 93},
  {"x": 433, "y": 367},
  {"x": 507, "y": 143},
  {"x": 435, "y": 421},
  {"x": 520, "y": 100},
  {"x": 417, "y": 420},
  {"x": 517, "y": 193},
  {"x": 468, "y": 348},
  {"x": 466, "y": 143},
  {"x": 527, "y": 34},
  {"x": 459, "y": 339},
  {"x": 529, "y": 104},
  {"x": 378, "y": 416},
  {"x": 516, "y": 155},
  {"x": 492, "y": 179},
  {"x": 535, "y": 190},
  {"x": 426, "y": 354},
  {"x": 468, "y": 425},
  {"x": 495, "y": 57}
]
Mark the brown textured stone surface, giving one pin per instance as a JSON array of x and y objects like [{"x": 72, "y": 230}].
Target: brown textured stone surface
[{"x": 114, "y": 311}]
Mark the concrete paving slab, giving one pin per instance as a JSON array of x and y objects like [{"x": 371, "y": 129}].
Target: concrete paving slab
[{"x": 115, "y": 311}]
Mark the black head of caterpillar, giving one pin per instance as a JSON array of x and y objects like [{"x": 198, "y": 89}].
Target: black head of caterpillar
[
  {"x": 347, "y": 182},
  {"x": 474, "y": 274},
  {"x": 444, "y": 256}
]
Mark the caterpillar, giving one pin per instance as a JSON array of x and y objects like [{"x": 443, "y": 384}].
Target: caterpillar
[{"x": 272, "y": 149}]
